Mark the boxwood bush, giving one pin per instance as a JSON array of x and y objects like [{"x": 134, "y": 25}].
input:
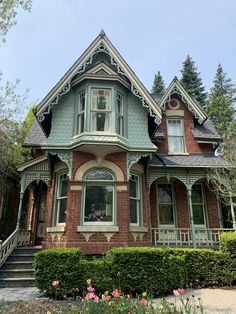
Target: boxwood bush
[
  {"x": 228, "y": 243},
  {"x": 133, "y": 270}
]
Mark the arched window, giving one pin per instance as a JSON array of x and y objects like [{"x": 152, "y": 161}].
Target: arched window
[{"x": 98, "y": 201}]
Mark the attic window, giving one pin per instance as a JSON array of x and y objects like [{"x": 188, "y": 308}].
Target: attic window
[{"x": 175, "y": 135}]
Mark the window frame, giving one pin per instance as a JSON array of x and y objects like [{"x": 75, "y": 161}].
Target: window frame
[
  {"x": 94, "y": 111},
  {"x": 203, "y": 204},
  {"x": 81, "y": 112},
  {"x": 139, "y": 199},
  {"x": 58, "y": 198},
  {"x": 83, "y": 198},
  {"x": 173, "y": 206},
  {"x": 119, "y": 124},
  {"x": 171, "y": 118}
]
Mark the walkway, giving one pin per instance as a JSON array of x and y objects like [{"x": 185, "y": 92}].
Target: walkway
[{"x": 215, "y": 301}]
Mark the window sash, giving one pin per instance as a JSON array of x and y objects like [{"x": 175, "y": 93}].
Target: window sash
[
  {"x": 175, "y": 136},
  {"x": 81, "y": 112},
  {"x": 198, "y": 206},
  {"x": 135, "y": 200},
  {"x": 120, "y": 114},
  {"x": 61, "y": 199},
  {"x": 166, "y": 205}
]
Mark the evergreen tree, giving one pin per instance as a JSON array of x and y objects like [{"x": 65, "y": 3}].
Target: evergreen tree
[
  {"x": 220, "y": 107},
  {"x": 158, "y": 84},
  {"x": 192, "y": 81}
]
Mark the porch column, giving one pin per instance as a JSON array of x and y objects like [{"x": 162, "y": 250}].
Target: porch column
[
  {"x": 192, "y": 226},
  {"x": 22, "y": 185},
  {"x": 232, "y": 211},
  {"x": 31, "y": 208},
  {"x": 19, "y": 210}
]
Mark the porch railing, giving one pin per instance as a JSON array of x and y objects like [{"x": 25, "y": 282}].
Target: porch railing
[
  {"x": 17, "y": 238},
  {"x": 8, "y": 246},
  {"x": 182, "y": 237}
]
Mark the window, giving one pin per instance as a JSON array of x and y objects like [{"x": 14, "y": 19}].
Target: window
[
  {"x": 175, "y": 135},
  {"x": 165, "y": 204},
  {"x": 61, "y": 198},
  {"x": 99, "y": 197},
  {"x": 198, "y": 205},
  {"x": 120, "y": 114},
  {"x": 135, "y": 199},
  {"x": 81, "y": 112},
  {"x": 101, "y": 110}
]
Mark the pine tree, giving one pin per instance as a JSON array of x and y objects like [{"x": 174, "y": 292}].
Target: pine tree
[
  {"x": 192, "y": 81},
  {"x": 220, "y": 107},
  {"x": 158, "y": 84}
]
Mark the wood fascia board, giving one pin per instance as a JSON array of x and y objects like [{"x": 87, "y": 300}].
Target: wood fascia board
[
  {"x": 189, "y": 99},
  {"x": 134, "y": 78},
  {"x": 67, "y": 76},
  {"x": 32, "y": 162},
  {"x": 88, "y": 52}
]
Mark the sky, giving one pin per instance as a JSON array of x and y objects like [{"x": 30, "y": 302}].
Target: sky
[{"x": 150, "y": 35}]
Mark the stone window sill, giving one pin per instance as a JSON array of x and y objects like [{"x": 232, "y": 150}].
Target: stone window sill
[
  {"x": 137, "y": 229},
  {"x": 94, "y": 228},
  {"x": 56, "y": 229}
]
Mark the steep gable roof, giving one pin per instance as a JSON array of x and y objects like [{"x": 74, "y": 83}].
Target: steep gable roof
[
  {"x": 176, "y": 87},
  {"x": 100, "y": 45}
]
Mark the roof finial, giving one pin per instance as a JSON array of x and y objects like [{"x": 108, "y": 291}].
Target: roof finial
[
  {"x": 175, "y": 78},
  {"x": 102, "y": 33}
]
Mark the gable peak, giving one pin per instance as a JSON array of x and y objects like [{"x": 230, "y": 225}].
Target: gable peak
[{"x": 102, "y": 33}]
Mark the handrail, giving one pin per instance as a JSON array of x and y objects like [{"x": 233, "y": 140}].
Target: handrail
[{"x": 8, "y": 246}]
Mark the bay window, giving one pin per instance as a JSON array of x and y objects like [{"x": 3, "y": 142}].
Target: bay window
[
  {"x": 81, "y": 112},
  {"x": 175, "y": 135},
  {"x": 98, "y": 200},
  {"x": 120, "y": 114}
]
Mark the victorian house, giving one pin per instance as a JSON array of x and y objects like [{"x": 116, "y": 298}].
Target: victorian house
[{"x": 117, "y": 166}]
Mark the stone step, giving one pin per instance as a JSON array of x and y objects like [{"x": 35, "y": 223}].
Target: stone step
[
  {"x": 17, "y": 265},
  {"x": 21, "y": 257},
  {"x": 17, "y": 282},
  {"x": 16, "y": 273},
  {"x": 26, "y": 250}
]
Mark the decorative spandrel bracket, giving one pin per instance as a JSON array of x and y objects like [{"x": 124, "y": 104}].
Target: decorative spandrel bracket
[
  {"x": 65, "y": 156},
  {"x": 133, "y": 158},
  {"x": 102, "y": 48}
]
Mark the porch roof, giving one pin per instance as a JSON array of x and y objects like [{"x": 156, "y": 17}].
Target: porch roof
[
  {"x": 193, "y": 160},
  {"x": 35, "y": 136}
]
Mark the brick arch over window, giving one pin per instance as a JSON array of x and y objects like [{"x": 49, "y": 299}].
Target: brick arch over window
[{"x": 79, "y": 174}]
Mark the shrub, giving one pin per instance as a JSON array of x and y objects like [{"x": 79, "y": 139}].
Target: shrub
[
  {"x": 228, "y": 243},
  {"x": 147, "y": 269},
  {"x": 56, "y": 264}
]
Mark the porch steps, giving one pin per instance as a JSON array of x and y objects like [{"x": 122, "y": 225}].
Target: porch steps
[{"x": 17, "y": 271}]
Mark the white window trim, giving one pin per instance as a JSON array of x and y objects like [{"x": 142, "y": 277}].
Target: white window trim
[
  {"x": 98, "y": 183},
  {"x": 79, "y": 112},
  {"x": 119, "y": 116},
  {"x": 56, "y": 207},
  {"x": 173, "y": 206},
  {"x": 140, "y": 201},
  {"x": 184, "y": 152}
]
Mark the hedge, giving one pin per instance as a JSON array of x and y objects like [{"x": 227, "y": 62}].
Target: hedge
[
  {"x": 133, "y": 270},
  {"x": 228, "y": 243}
]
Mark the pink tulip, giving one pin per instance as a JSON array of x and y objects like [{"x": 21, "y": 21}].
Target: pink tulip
[
  {"x": 96, "y": 299},
  {"x": 176, "y": 293},
  {"x": 89, "y": 296},
  {"x": 106, "y": 298},
  {"x": 181, "y": 291},
  {"x": 55, "y": 283},
  {"x": 116, "y": 293},
  {"x": 143, "y": 302},
  {"x": 90, "y": 289}
]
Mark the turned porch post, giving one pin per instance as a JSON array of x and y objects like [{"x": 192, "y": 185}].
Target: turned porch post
[
  {"x": 192, "y": 226},
  {"x": 22, "y": 184},
  {"x": 232, "y": 211}
]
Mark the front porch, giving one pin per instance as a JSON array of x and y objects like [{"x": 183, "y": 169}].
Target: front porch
[{"x": 182, "y": 237}]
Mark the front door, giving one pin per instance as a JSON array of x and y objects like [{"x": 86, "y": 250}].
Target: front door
[{"x": 41, "y": 217}]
